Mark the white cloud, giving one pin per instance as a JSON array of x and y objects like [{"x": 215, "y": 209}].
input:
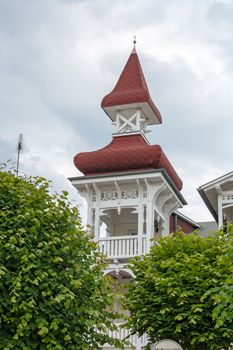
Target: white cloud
[{"x": 59, "y": 58}]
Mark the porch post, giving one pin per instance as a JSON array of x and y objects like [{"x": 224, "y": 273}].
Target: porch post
[
  {"x": 140, "y": 228},
  {"x": 220, "y": 213}
]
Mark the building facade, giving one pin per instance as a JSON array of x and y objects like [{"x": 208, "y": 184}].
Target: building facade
[
  {"x": 131, "y": 188},
  {"x": 218, "y": 197}
]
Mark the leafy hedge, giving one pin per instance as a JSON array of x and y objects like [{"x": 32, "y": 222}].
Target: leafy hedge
[
  {"x": 183, "y": 290},
  {"x": 52, "y": 291}
]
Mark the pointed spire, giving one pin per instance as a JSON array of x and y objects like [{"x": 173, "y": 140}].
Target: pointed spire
[
  {"x": 134, "y": 44},
  {"x": 131, "y": 91}
]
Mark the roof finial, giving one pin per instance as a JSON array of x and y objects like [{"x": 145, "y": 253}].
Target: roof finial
[
  {"x": 134, "y": 44},
  {"x": 134, "y": 41}
]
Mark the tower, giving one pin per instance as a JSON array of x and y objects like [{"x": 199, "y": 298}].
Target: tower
[{"x": 130, "y": 186}]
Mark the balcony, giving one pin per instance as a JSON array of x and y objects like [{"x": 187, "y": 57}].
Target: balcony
[{"x": 122, "y": 247}]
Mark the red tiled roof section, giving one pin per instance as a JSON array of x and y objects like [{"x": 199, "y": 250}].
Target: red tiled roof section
[
  {"x": 131, "y": 87},
  {"x": 126, "y": 153}
]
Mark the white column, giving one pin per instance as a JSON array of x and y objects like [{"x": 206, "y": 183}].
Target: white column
[
  {"x": 140, "y": 228},
  {"x": 138, "y": 119},
  {"x": 89, "y": 216},
  {"x": 149, "y": 224},
  {"x": 87, "y": 194},
  {"x": 97, "y": 223},
  {"x": 166, "y": 222},
  {"x": 97, "y": 213},
  {"x": 166, "y": 226},
  {"x": 220, "y": 213}
]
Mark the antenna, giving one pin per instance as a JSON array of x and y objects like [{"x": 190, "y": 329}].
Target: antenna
[{"x": 19, "y": 149}]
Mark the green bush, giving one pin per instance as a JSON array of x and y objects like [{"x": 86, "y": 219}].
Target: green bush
[
  {"x": 183, "y": 290},
  {"x": 52, "y": 291}
]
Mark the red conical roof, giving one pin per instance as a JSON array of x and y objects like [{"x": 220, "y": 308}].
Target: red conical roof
[
  {"x": 128, "y": 152},
  {"x": 131, "y": 88}
]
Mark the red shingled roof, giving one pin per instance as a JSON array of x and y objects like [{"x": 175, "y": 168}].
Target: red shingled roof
[
  {"x": 131, "y": 87},
  {"x": 126, "y": 153}
]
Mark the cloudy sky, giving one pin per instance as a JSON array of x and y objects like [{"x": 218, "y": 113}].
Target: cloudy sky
[{"x": 58, "y": 58}]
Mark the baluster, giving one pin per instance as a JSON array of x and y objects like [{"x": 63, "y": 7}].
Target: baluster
[
  {"x": 118, "y": 251},
  {"x": 112, "y": 248},
  {"x": 116, "y": 243},
  {"x": 123, "y": 247},
  {"x": 134, "y": 246},
  {"x": 109, "y": 248},
  {"x": 131, "y": 247},
  {"x": 106, "y": 248},
  {"x": 120, "y": 333},
  {"x": 100, "y": 244}
]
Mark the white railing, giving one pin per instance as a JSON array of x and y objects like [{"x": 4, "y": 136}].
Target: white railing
[
  {"x": 123, "y": 333},
  {"x": 122, "y": 246}
]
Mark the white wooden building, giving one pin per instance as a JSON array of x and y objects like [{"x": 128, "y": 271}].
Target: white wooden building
[
  {"x": 130, "y": 186},
  {"x": 218, "y": 197}
]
